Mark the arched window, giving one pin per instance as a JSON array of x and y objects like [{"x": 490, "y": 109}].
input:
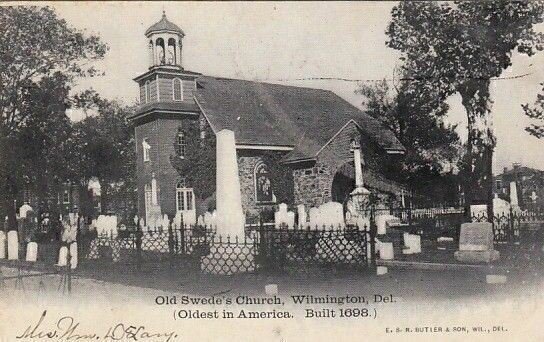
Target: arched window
[
  {"x": 146, "y": 148},
  {"x": 160, "y": 50},
  {"x": 181, "y": 144},
  {"x": 177, "y": 89},
  {"x": 171, "y": 52},
  {"x": 151, "y": 53},
  {"x": 185, "y": 199},
  {"x": 146, "y": 86},
  {"x": 263, "y": 184}
]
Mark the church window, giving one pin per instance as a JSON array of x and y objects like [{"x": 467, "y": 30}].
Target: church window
[
  {"x": 66, "y": 196},
  {"x": 181, "y": 144},
  {"x": 263, "y": 184},
  {"x": 146, "y": 149},
  {"x": 177, "y": 89},
  {"x": 159, "y": 46},
  {"x": 184, "y": 196},
  {"x": 146, "y": 91},
  {"x": 171, "y": 54}
]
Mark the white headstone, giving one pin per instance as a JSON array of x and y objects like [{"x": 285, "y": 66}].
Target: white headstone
[
  {"x": 165, "y": 221},
  {"x": 13, "y": 245},
  {"x": 280, "y": 216},
  {"x": 290, "y": 220},
  {"x": 513, "y": 194},
  {"x": 2, "y": 245},
  {"x": 230, "y": 215},
  {"x": 208, "y": 219},
  {"x": 302, "y": 217},
  {"x": 142, "y": 225},
  {"x": 496, "y": 279},
  {"x": 23, "y": 210},
  {"x": 386, "y": 251},
  {"x": 331, "y": 214},
  {"x": 63, "y": 256},
  {"x": 32, "y": 251},
  {"x": 189, "y": 217},
  {"x": 200, "y": 220},
  {"x": 315, "y": 219},
  {"x": 381, "y": 270},
  {"x": 73, "y": 255},
  {"x": 413, "y": 243}
]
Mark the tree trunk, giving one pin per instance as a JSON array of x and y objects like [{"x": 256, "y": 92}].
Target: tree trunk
[{"x": 480, "y": 144}]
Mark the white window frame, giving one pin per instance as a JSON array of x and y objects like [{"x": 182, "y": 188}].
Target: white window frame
[
  {"x": 185, "y": 197},
  {"x": 174, "y": 89},
  {"x": 181, "y": 147},
  {"x": 146, "y": 148}
]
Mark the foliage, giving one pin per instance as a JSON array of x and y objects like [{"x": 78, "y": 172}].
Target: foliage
[
  {"x": 536, "y": 112},
  {"x": 458, "y": 48},
  {"x": 46, "y": 149},
  {"x": 106, "y": 149},
  {"x": 415, "y": 116},
  {"x": 39, "y": 54},
  {"x": 198, "y": 165}
]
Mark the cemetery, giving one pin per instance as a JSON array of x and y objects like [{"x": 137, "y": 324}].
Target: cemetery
[{"x": 232, "y": 177}]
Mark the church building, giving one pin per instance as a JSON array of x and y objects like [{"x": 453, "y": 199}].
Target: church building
[{"x": 291, "y": 144}]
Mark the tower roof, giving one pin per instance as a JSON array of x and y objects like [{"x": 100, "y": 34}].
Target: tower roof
[{"x": 164, "y": 25}]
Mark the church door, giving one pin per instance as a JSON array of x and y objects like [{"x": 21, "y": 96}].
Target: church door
[{"x": 185, "y": 203}]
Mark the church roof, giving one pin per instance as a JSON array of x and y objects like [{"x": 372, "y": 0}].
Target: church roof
[
  {"x": 280, "y": 115},
  {"x": 164, "y": 25}
]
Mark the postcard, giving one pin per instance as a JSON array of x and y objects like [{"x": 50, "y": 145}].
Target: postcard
[{"x": 272, "y": 171}]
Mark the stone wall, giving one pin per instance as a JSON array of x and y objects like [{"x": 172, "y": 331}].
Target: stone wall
[
  {"x": 313, "y": 184},
  {"x": 313, "y": 181},
  {"x": 246, "y": 168}
]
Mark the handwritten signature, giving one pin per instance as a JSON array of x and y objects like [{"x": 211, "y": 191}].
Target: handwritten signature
[{"x": 68, "y": 329}]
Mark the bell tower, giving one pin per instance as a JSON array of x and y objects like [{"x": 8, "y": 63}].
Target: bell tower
[
  {"x": 166, "y": 110},
  {"x": 165, "y": 43}
]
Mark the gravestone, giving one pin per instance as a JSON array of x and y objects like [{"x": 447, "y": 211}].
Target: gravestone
[
  {"x": 63, "y": 256},
  {"x": 13, "y": 245},
  {"x": 302, "y": 217},
  {"x": 73, "y": 255},
  {"x": 284, "y": 217},
  {"x": 2, "y": 245},
  {"x": 32, "y": 251},
  {"x": 412, "y": 243},
  {"x": 476, "y": 243}
]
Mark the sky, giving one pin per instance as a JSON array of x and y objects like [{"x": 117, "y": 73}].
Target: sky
[{"x": 284, "y": 42}]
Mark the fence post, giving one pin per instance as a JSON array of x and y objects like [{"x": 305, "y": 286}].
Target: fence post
[
  {"x": 371, "y": 235},
  {"x": 262, "y": 245},
  {"x": 139, "y": 234},
  {"x": 182, "y": 237},
  {"x": 171, "y": 244},
  {"x": 511, "y": 225}
]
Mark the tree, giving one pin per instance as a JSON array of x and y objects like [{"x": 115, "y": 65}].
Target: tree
[
  {"x": 416, "y": 117},
  {"x": 46, "y": 149},
  {"x": 106, "y": 151},
  {"x": 198, "y": 165},
  {"x": 34, "y": 44},
  {"x": 458, "y": 48},
  {"x": 536, "y": 112}
]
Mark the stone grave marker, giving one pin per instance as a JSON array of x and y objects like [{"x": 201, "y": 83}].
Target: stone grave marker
[{"x": 476, "y": 243}]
